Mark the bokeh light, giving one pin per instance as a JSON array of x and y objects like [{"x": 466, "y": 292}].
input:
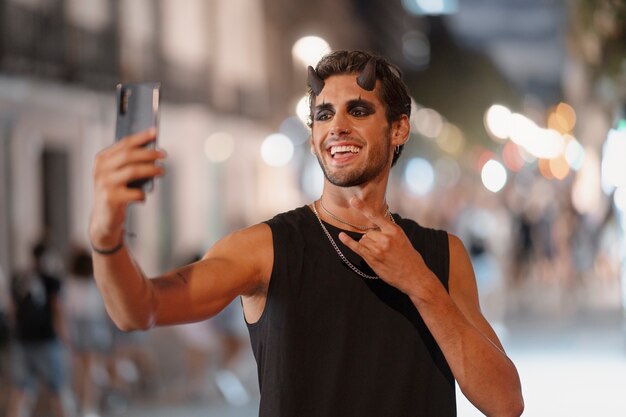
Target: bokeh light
[
  {"x": 493, "y": 176},
  {"x": 419, "y": 176},
  {"x": 451, "y": 139},
  {"x": 277, "y": 150},
  {"x": 219, "y": 147},
  {"x": 562, "y": 118},
  {"x": 574, "y": 153},
  {"x": 428, "y": 122},
  {"x": 497, "y": 121},
  {"x": 619, "y": 198},
  {"x": 302, "y": 110},
  {"x": 614, "y": 161},
  {"x": 559, "y": 167},
  {"x": 309, "y": 49}
]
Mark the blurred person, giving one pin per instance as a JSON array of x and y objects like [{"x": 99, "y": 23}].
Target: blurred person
[
  {"x": 352, "y": 310},
  {"x": 89, "y": 332},
  {"x": 131, "y": 368},
  {"x": 37, "y": 352},
  {"x": 211, "y": 353}
]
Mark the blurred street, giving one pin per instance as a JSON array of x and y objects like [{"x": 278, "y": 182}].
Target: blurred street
[{"x": 575, "y": 367}]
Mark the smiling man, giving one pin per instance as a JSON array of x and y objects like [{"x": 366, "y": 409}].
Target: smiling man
[{"x": 352, "y": 310}]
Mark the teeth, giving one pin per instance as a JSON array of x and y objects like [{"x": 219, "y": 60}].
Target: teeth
[{"x": 335, "y": 149}]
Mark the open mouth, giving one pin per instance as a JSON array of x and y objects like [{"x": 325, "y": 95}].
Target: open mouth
[{"x": 343, "y": 150}]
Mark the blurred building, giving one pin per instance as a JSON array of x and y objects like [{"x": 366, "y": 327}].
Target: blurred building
[{"x": 232, "y": 76}]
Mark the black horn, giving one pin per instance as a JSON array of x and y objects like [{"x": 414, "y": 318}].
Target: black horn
[
  {"x": 367, "y": 78},
  {"x": 315, "y": 82}
]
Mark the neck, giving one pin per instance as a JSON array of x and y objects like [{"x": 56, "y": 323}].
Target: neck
[{"x": 338, "y": 211}]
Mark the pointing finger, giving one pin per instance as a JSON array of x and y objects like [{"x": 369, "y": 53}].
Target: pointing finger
[
  {"x": 378, "y": 219},
  {"x": 351, "y": 243}
]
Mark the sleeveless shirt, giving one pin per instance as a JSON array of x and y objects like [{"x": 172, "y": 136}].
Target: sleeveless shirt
[{"x": 331, "y": 343}]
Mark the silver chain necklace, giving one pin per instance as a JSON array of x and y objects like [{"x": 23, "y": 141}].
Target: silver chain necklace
[
  {"x": 340, "y": 220},
  {"x": 341, "y": 255}
]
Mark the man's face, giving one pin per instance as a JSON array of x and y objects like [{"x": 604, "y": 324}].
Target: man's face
[{"x": 351, "y": 137}]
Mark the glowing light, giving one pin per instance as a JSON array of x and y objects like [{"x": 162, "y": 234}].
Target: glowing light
[
  {"x": 619, "y": 197},
  {"x": 419, "y": 176},
  {"x": 483, "y": 156},
  {"x": 512, "y": 158},
  {"x": 302, "y": 110},
  {"x": 428, "y": 122},
  {"x": 546, "y": 143},
  {"x": 544, "y": 169},
  {"x": 539, "y": 142},
  {"x": 498, "y": 121},
  {"x": 586, "y": 192},
  {"x": 574, "y": 154},
  {"x": 522, "y": 128},
  {"x": 312, "y": 178},
  {"x": 309, "y": 49},
  {"x": 430, "y": 7},
  {"x": 562, "y": 118},
  {"x": 277, "y": 150},
  {"x": 613, "y": 157},
  {"x": 493, "y": 176},
  {"x": 219, "y": 147},
  {"x": 559, "y": 168}
]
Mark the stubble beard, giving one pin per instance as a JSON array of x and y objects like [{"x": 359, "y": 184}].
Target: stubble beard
[{"x": 363, "y": 174}]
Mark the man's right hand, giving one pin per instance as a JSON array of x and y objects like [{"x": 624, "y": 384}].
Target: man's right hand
[{"x": 114, "y": 168}]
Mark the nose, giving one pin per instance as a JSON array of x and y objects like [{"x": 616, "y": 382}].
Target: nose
[{"x": 339, "y": 126}]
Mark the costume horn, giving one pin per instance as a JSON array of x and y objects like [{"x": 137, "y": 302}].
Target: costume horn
[
  {"x": 367, "y": 78},
  {"x": 315, "y": 82}
]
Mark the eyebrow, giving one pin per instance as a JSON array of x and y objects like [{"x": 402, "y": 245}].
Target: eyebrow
[
  {"x": 324, "y": 106},
  {"x": 351, "y": 103},
  {"x": 361, "y": 102}
]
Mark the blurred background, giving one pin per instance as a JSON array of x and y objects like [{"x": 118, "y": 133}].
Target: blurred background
[{"x": 518, "y": 146}]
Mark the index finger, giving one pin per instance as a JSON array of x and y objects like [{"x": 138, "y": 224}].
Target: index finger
[
  {"x": 380, "y": 220},
  {"x": 140, "y": 138}
]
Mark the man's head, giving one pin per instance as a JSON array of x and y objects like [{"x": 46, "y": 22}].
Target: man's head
[{"x": 369, "y": 68}]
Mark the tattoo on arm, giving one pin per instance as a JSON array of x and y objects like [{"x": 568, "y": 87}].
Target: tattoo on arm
[{"x": 182, "y": 277}]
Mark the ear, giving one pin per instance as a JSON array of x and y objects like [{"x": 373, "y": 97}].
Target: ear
[
  {"x": 311, "y": 148},
  {"x": 400, "y": 130}
]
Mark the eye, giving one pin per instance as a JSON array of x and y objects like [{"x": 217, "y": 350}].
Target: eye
[
  {"x": 360, "y": 111},
  {"x": 323, "y": 115}
]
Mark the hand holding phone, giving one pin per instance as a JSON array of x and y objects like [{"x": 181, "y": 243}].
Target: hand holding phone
[{"x": 138, "y": 110}]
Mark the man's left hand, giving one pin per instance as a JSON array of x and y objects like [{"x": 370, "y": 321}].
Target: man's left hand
[{"x": 387, "y": 250}]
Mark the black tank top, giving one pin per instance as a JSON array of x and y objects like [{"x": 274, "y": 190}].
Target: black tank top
[{"x": 331, "y": 343}]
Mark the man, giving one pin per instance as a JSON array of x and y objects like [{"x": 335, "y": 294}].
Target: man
[{"x": 352, "y": 310}]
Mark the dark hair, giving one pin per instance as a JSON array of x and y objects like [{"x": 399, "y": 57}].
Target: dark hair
[
  {"x": 393, "y": 92},
  {"x": 81, "y": 264}
]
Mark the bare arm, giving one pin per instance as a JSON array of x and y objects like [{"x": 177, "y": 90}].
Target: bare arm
[
  {"x": 484, "y": 373},
  {"x": 237, "y": 265}
]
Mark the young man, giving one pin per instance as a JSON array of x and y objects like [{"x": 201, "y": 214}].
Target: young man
[{"x": 352, "y": 310}]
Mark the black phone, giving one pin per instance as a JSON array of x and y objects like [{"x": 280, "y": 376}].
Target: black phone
[{"x": 137, "y": 110}]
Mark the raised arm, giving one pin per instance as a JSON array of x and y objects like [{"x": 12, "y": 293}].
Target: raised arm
[{"x": 239, "y": 264}]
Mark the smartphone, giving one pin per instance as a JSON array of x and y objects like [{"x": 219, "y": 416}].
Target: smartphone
[{"x": 138, "y": 110}]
